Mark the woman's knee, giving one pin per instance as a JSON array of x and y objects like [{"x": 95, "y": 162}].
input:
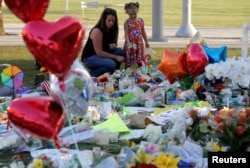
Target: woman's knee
[
  {"x": 119, "y": 51},
  {"x": 111, "y": 65}
]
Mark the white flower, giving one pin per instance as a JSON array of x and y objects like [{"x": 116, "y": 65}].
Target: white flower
[
  {"x": 236, "y": 76},
  {"x": 226, "y": 70},
  {"x": 209, "y": 70},
  {"x": 218, "y": 73},
  {"x": 235, "y": 69},
  {"x": 231, "y": 62},
  {"x": 244, "y": 81},
  {"x": 17, "y": 164},
  {"x": 242, "y": 66},
  {"x": 189, "y": 121}
]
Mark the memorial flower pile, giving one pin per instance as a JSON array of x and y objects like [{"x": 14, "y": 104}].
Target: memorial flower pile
[
  {"x": 223, "y": 130},
  {"x": 232, "y": 128}
]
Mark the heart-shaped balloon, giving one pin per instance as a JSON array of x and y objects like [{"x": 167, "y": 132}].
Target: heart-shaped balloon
[
  {"x": 172, "y": 65},
  {"x": 196, "y": 59},
  {"x": 54, "y": 44},
  {"x": 28, "y": 10},
  {"x": 39, "y": 116},
  {"x": 75, "y": 91}
]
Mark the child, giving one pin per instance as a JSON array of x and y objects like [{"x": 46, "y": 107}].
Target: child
[{"x": 134, "y": 36}]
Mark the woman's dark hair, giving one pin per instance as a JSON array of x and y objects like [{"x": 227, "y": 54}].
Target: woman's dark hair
[
  {"x": 131, "y": 5},
  {"x": 101, "y": 23}
]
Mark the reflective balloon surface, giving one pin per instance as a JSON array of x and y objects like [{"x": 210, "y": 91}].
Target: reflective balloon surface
[
  {"x": 28, "y": 10},
  {"x": 75, "y": 91},
  {"x": 216, "y": 55},
  {"x": 54, "y": 44},
  {"x": 39, "y": 116},
  {"x": 172, "y": 65},
  {"x": 196, "y": 59}
]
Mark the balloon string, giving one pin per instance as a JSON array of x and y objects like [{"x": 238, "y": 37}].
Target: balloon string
[{"x": 74, "y": 138}]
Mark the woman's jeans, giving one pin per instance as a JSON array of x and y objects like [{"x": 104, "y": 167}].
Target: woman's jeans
[{"x": 98, "y": 65}]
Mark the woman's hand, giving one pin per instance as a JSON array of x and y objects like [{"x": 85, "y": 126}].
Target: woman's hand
[
  {"x": 112, "y": 46},
  {"x": 120, "y": 58}
]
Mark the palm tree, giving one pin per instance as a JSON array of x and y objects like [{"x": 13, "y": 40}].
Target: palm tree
[{"x": 2, "y": 32}]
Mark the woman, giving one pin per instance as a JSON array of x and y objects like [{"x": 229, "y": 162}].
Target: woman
[{"x": 100, "y": 54}]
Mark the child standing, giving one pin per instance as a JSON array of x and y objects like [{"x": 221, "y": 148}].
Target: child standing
[{"x": 134, "y": 35}]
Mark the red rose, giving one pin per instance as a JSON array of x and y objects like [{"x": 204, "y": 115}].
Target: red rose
[
  {"x": 243, "y": 117},
  {"x": 240, "y": 130},
  {"x": 218, "y": 119}
]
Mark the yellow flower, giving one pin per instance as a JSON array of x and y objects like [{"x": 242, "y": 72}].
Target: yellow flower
[
  {"x": 42, "y": 69},
  {"x": 167, "y": 160},
  {"x": 38, "y": 163},
  {"x": 216, "y": 147},
  {"x": 210, "y": 115},
  {"x": 111, "y": 89},
  {"x": 130, "y": 165},
  {"x": 143, "y": 157},
  {"x": 196, "y": 85},
  {"x": 130, "y": 144}
]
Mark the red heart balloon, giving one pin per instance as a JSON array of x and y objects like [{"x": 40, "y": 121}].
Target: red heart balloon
[
  {"x": 54, "y": 44},
  {"x": 172, "y": 65},
  {"x": 39, "y": 116},
  {"x": 28, "y": 10},
  {"x": 196, "y": 59}
]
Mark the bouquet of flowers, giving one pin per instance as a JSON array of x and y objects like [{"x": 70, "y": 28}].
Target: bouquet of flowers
[
  {"x": 200, "y": 128},
  {"x": 235, "y": 70},
  {"x": 232, "y": 128},
  {"x": 145, "y": 160}
]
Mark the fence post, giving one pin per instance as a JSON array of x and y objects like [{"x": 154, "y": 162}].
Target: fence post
[
  {"x": 187, "y": 29},
  {"x": 157, "y": 21},
  {"x": 245, "y": 38}
]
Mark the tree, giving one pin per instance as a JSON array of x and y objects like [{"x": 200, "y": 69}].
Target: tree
[{"x": 2, "y": 32}]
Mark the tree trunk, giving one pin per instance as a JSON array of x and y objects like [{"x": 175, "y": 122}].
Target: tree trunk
[{"x": 2, "y": 32}]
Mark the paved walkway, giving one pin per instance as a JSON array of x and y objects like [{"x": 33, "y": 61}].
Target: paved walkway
[{"x": 214, "y": 37}]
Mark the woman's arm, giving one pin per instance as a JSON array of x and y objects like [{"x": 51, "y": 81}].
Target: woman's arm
[{"x": 96, "y": 36}]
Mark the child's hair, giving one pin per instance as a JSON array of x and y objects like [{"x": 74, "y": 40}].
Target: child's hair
[{"x": 131, "y": 5}]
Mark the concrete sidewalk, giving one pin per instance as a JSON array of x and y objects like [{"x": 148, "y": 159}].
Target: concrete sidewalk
[{"x": 214, "y": 37}]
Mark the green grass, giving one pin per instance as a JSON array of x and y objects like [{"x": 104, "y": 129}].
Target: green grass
[
  {"x": 21, "y": 57},
  {"x": 212, "y": 13},
  {"x": 205, "y": 13}
]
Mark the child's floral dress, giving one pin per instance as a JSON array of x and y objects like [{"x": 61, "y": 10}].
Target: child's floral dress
[{"x": 135, "y": 49}]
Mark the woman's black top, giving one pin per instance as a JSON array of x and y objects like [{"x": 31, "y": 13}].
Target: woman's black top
[{"x": 88, "y": 50}]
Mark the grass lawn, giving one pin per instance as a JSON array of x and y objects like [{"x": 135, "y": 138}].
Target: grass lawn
[
  {"x": 20, "y": 56},
  {"x": 212, "y": 13},
  {"x": 205, "y": 13}
]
